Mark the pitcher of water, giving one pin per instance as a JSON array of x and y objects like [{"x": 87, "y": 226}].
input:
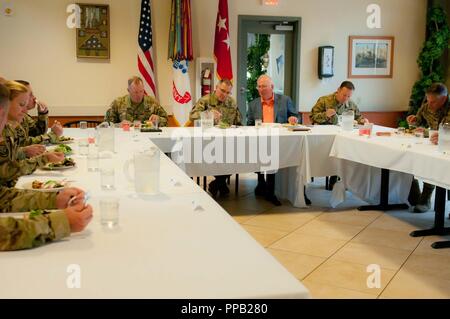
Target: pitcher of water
[
  {"x": 146, "y": 171},
  {"x": 347, "y": 120},
  {"x": 207, "y": 119},
  {"x": 444, "y": 138},
  {"x": 106, "y": 137}
]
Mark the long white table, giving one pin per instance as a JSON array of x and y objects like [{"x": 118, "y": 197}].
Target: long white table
[
  {"x": 178, "y": 244},
  {"x": 403, "y": 154},
  {"x": 299, "y": 157}
]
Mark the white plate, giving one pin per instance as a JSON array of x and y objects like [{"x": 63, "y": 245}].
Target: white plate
[
  {"x": 29, "y": 186},
  {"x": 65, "y": 142},
  {"x": 59, "y": 168}
]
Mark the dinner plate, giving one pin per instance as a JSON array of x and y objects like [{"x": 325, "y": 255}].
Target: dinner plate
[
  {"x": 58, "y": 168},
  {"x": 29, "y": 186}
]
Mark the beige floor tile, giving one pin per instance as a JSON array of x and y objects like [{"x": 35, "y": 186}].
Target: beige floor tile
[
  {"x": 287, "y": 221},
  {"x": 349, "y": 276},
  {"x": 389, "y": 222},
  {"x": 351, "y": 217},
  {"x": 309, "y": 245},
  {"x": 246, "y": 203},
  {"x": 388, "y": 238},
  {"x": 425, "y": 248},
  {"x": 264, "y": 236},
  {"x": 330, "y": 229},
  {"x": 322, "y": 291},
  {"x": 407, "y": 285},
  {"x": 298, "y": 265},
  {"x": 364, "y": 254},
  {"x": 429, "y": 265},
  {"x": 243, "y": 215}
]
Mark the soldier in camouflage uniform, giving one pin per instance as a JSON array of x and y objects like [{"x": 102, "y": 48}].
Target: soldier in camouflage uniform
[
  {"x": 40, "y": 125},
  {"x": 37, "y": 228},
  {"x": 136, "y": 106},
  {"x": 328, "y": 107},
  {"x": 40, "y": 226},
  {"x": 225, "y": 112},
  {"x": 434, "y": 111},
  {"x": 220, "y": 103},
  {"x": 13, "y": 163}
]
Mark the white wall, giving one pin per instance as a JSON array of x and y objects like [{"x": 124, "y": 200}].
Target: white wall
[{"x": 37, "y": 46}]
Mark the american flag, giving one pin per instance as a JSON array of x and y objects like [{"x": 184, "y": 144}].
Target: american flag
[{"x": 145, "y": 51}]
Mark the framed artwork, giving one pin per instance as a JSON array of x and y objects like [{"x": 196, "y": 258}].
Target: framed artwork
[
  {"x": 93, "y": 37},
  {"x": 326, "y": 62},
  {"x": 370, "y": 57}
]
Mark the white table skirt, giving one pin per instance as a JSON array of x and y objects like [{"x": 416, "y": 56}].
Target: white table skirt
[{"x": 302, "y": 155}]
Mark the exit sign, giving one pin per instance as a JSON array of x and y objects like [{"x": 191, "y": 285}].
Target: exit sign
[{"x": 270, "y": 2}]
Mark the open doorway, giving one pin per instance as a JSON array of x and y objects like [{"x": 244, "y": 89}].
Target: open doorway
[{"x": 268, "y": 45}]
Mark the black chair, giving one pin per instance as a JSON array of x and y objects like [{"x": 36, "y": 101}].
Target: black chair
[{"x": 76, "y": 124}]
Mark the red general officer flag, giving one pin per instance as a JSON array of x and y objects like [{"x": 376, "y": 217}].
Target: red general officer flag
[{"x": 222, "y": 43}]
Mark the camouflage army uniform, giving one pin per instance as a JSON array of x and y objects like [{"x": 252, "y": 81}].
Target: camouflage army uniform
[
  {"x": 318, "y": 112},
  {"x": 123, "y": 109},
  {"x": 25, "y": 139},
  {"x": 13, "y": 163},
  {"x": 228, "y": 109},
  {"x": 16, "y": 233},
  {"x": 428, "y": 119},
  {"x": 36, "y": 127}
]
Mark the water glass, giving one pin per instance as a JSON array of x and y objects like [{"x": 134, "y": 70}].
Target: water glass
[
  {"x": 107, "y": 178},
  {"x": 83, "y": 125},
  {"x": 83, "y": 147},
  {"x": 109, "y": 212},
  {"x": 92, "y": 162}
]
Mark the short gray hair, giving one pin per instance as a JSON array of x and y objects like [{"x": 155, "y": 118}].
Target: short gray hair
[
  {"x": 134, "y": 80},
  {"x": 437, "y": 89}
]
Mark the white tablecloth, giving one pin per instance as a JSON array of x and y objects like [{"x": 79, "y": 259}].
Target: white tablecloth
[
  {"x": 302, "y": 155},
  {"x": 163, "y": 248},
  {"x": 401, "y": 154}
]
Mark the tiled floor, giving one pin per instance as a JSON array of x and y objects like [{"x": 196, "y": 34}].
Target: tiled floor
[{"x": 330, "y": 250}]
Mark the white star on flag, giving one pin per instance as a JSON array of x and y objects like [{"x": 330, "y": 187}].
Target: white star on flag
[
  {"x": 221, "y": 25},
  {"x": 227, "y": 41}
]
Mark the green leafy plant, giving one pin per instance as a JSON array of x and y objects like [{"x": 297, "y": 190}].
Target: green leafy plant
[
  {"x": 255, "y": 64},
  {"x": 429, "y": 61}
]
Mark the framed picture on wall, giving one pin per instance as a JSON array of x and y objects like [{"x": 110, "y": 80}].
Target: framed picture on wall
[
  {"x": 370, "y": 57},
  {"x": 93, "y": 37},
  {"x": 326, "y": 62}
]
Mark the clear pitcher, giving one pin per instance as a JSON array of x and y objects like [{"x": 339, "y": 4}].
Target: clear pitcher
[
  {"x": 207, "y": 119},
  {"x": 444, "y": 138},
  {"x": 347, "y": 120},
  {"x": 146, "y": 166},
  {"x": 106, "y": 137}
]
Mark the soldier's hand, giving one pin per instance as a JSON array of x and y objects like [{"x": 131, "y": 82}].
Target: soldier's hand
[
  {"x": 57, "y": 129},
  {"x": 154, "y": 117},
  {"x": 41, "y": 107},
  {"x": 79, "y": 216},
  {"x": 55, "y": 157},
  {"x": 293, "y": 120},
  {"x": 330, "y": 113},
  {"x": 411, "y": 119},
  {"x": 33, "y": 150},
  {"x": 217, "y": 116},
  {"x": 434, "y": 138},
  {"x": 72, "y": 194}
]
